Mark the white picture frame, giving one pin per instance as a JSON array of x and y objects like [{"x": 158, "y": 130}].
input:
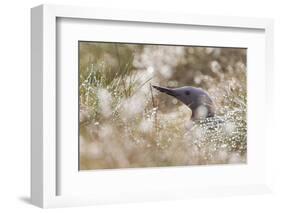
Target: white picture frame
[{"x": 45, "y": 153}]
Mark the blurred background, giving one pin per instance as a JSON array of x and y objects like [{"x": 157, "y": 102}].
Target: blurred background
[{"x": 125, "y": 123}]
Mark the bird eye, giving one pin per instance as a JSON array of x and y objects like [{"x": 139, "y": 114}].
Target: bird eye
[{"x": 187, "y": 93}]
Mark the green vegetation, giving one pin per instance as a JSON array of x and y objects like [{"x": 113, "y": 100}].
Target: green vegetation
[{"x": 125, "y": 123}]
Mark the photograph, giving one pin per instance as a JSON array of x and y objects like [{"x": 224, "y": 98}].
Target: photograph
[{"x": 161, "y": 105}]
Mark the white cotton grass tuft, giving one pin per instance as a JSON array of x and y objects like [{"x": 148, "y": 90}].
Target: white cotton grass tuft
[
  {"x": 106, "y": 132},
  {"x": 133, "y": 106},
  {"x": 105, "y": 99},
  {"x": 198, "y": 133},
  {"x": 229, "y": 128},
  {"x": 163, "y": 60},
  {"x": 215, "y": 66},
  {"x": 150, "y": 70},
  {"x": 95, "y": 150},
  {"x": 146, "y": 125},
  {"x": 166, "y": 72}
]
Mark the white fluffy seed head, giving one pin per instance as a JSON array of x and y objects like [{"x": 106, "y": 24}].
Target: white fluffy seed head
[{"x": 105, "y": 100}]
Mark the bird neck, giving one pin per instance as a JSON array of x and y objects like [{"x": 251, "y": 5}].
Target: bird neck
[{"x": 202, "y": 112}]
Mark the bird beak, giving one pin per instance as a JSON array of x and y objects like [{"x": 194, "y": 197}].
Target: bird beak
[{"x": 168, "y": 91}]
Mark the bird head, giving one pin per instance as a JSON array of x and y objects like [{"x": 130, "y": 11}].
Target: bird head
[{"x": 196, "y": 99}]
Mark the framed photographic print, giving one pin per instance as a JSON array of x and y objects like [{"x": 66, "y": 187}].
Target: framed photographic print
[{"x": 132, "y": 106}]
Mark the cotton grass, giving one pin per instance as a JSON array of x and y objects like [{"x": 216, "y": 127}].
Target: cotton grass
[{"x": 124, "y": 123}]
